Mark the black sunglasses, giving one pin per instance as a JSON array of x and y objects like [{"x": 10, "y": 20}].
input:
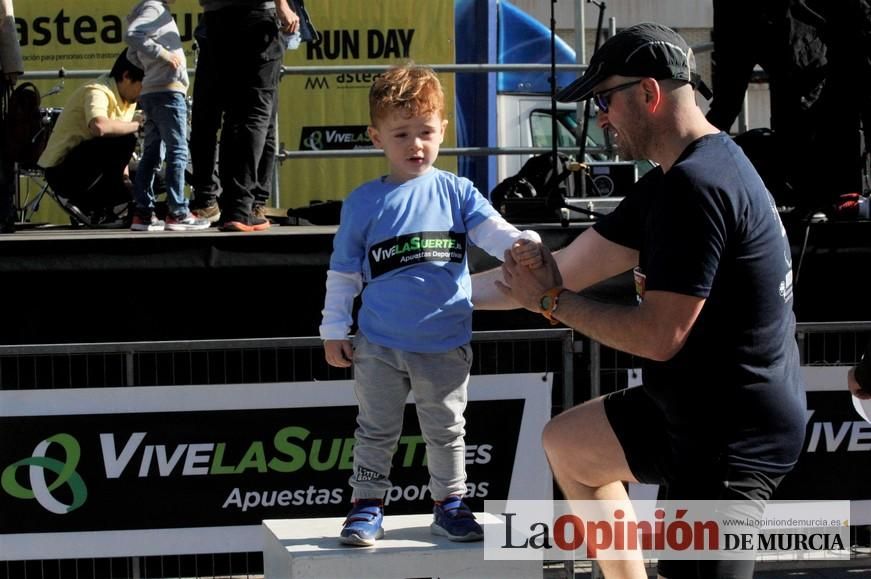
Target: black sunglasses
[{"x": 603, "y": 99}]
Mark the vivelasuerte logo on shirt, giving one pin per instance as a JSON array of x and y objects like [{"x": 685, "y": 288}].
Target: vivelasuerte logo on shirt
[{"x": 413, "y": 248}]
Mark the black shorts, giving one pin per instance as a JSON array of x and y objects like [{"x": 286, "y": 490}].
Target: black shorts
[{"x": 686, "y": 468}]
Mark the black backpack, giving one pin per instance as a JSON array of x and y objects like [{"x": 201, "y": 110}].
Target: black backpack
[
  {"x": 537, "y": 179},
  {"x": 25, "y": 135}
]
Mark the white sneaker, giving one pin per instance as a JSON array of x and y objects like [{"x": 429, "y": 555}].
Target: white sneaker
[
  {"x": 186, "y": 223},
  {"x": 140, "y": 223}
]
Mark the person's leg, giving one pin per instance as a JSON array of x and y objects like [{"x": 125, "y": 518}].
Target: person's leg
[
  {"x": 7, "y": 174},
  {"x": 205, "y": 121},
  {"x": 589, "y": 463},
  {"x": 740, "y": 495},
  {"x": 172, "y": 122},
  {"x": 91, "y": 175},
  {"x": 381, "y": 388},
  {"x": 440, "y": 383},
  {"x": 152, "y": 154},
  {"x": 114, "y": 189},
  {"x": 266, "y": 169},
  {"x": 249, "y": 46},
  {"x": 7, "y": 194}
]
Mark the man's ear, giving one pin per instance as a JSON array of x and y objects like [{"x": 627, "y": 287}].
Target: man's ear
[{"x": 652, "y": 93}]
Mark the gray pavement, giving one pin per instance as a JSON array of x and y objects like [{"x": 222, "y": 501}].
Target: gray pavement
[{"x": 858, "y": 567}]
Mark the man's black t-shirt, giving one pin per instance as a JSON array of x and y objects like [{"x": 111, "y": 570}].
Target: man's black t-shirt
[{"x": 709, "y": 228}]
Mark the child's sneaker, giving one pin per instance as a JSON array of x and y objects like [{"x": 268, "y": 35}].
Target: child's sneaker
[
  {"x": 188, "y": 222},
  {"x": 454, "y": 520},
  {"x": 363, "y": 525},
  {"x": 146, "y": 223}
]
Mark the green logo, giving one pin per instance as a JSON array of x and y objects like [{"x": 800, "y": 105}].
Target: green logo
[{"x": 39, "y": 489}]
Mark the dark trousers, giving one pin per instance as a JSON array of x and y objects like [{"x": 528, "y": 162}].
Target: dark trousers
[
  {"x": 7, "y": 193},
  {"x": 206, "y": 115},
  {"x": 748, "y": 491},
  {"x": 91, "y": 175},
  {"x": 248, "y": 46},
  {"x": 266, "y": 167},
  {"x": 7, "y": 170}
]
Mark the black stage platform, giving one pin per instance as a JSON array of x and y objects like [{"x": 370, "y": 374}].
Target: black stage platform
[{"x": 77, "y": 285}]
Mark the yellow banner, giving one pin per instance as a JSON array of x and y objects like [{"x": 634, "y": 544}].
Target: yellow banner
[
  {"x": 321, "y": 111},
  {"x": 79, "y": 38},
  {"x": 317, "y": 111}
]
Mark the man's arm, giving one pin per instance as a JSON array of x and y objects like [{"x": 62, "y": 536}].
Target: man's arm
[
  {"x": 99, "y": 123},
  {"x": 657, "y": 329},
  {"x": 105, "y": 127}
]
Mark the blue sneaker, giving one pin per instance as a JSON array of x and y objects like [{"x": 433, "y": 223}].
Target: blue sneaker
[
  {"x": 363, "y": 525},
  {"x": 454, "y": 520}
]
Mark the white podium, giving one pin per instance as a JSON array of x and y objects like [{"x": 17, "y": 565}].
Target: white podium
[{"x": 310, "y": 549}]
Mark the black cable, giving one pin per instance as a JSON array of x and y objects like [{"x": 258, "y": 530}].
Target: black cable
[{"x": 797, "y": 270}]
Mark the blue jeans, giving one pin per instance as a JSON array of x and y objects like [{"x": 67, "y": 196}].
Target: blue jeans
[{"x": 165, "y": 127}]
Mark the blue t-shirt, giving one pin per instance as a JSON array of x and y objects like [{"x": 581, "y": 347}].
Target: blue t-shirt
[
  {"x": 409, "y": 242},
  {"x": 709, "y": 228}
]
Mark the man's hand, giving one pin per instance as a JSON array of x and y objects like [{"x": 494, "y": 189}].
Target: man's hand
[
  {"x": 288, "y": 18},
  {"x": 339, "y": 353},
  {"x": 175, "y": 60},
  {"x": 525, "y": 285}
]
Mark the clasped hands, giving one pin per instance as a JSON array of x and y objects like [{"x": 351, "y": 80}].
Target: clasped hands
[{"x": 529, "y": 270}]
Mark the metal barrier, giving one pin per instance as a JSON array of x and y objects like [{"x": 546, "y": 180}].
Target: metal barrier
[
  {"x": 102, "y": 365},
  {"x": 285, "y": 154},
  {"x": 297, "y": 359}
]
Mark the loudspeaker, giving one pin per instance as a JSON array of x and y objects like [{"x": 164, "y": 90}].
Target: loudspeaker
[
  {"x": 610, "y": 179},
  {"x": 529, "y": 210}
]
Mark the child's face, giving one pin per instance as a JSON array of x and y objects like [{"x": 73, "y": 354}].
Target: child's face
[{"x": 411, "y": 144}]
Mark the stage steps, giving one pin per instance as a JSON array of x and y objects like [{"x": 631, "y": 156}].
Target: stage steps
[{"x": 309, "y": 548}]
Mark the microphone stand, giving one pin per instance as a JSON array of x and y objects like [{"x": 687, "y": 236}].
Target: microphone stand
[
  {"x": 553, "y": 119},
  {"x": 582, "y": 152},
  {"x": 555, "y": 200}
]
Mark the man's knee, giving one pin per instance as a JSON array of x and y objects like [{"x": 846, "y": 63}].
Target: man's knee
[
  {"x": 551, "y": 438},
  {"x": 561, "y": 442}
]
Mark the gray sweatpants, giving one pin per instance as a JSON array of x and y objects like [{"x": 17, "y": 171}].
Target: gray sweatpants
[{"x": 382, "y": 380}]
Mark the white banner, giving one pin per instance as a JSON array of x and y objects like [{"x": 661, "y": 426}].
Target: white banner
[{"x": 141, "y": 471}]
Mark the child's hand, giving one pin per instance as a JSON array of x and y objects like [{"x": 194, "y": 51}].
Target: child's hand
[
  {"x": 527, "y": 252},
  {"x": 339, "y": 353},
  {"x": 174, "y": 59}
]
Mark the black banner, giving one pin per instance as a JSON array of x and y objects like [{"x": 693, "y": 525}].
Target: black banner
[
  {"x": 221, "y": 467},
  {"x": 415, "y": 248},
  {"x": 836, "y": 461}
]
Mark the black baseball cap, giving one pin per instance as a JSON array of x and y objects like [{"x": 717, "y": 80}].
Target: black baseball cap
[{"x": 647, "y": 49}]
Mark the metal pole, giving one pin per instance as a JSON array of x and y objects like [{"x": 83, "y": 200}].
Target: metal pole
[
  {"x": 553, "y": 122},
  {"x": 595, "y": 392},
  {"x": 580, "y": 48}
]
